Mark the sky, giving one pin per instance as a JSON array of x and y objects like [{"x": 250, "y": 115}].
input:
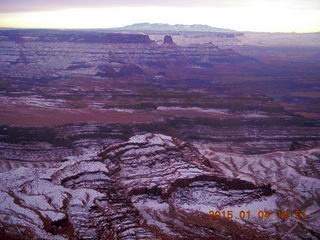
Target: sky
[{"x": 241, "y": 15}]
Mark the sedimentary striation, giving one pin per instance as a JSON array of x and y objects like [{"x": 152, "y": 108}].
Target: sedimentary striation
[{"x": 150, "y": 187}]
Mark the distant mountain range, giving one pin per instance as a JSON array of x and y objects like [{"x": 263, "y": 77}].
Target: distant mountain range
[{"x": 162, "y": 27}]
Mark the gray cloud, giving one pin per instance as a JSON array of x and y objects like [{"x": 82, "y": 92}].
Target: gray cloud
[{"x": 47, "y": 5}]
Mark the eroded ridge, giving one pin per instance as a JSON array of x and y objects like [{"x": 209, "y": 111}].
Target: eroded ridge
[
  {"x": 294, "y": 175},
  {"x": 150, "y": 187}
]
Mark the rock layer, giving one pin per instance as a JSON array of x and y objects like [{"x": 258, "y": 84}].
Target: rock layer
[
  {"x": 150, "y": 187},
  {"x": 47, "y": 55}
]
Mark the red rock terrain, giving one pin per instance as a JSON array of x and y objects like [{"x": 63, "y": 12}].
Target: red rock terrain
[
  {"x": 232, "y": 129},
  {"x": 157, "y": 187}
]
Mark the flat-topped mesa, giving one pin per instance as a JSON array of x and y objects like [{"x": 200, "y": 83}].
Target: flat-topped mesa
[
  {"x": 109, "y": 38},
  {"x": 75, "y": 36},
  {"x": 127, "y": 38}
]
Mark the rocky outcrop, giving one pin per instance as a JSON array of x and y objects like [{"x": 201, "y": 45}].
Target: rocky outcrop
[
  {"x": 150, "y": 187},
  {"x": 168, "y": 40}
]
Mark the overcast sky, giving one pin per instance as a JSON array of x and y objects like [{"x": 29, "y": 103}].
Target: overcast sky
[{"x": 244, "y": 15}]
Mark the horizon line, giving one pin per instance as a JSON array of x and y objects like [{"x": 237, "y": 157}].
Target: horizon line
[{"x": 119, "y": 28}]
